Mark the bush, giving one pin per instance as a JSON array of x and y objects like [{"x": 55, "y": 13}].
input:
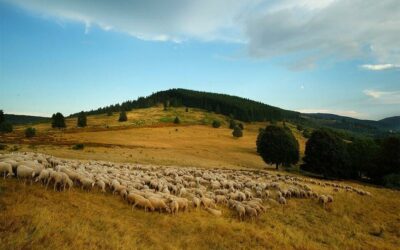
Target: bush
[
  {"x": 277, "y": 145},
  {"x": 237, "y": 132},
  {"x": 78, "y": 146},
  {"x": 82, "y": 120},
  {"x": 30, "y": 132},
  {"x": 109, "y": 113},
  {"x": 216, "y": 124},
  {"x": 326, "y": 154},
  {"x": 3, "y": 146},
  {"x": 6, "y": 127},
  {"x": 299, "y": 127},
  {"x": 306, "y": 133},
  {"x": 58, "y": 120},
  {"x": 122, "y": 117},
  {"x": 176, "y": 120},
  {"x": 232, "y": 124},
  {"x": 187, "y": 109},
  {"x": 240, "y": 125}
]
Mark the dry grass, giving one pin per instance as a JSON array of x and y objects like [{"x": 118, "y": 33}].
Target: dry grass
[{"x": 34, "y": 218}]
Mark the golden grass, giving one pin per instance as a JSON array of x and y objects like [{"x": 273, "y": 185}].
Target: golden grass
[{"x": 31, "y": 217}]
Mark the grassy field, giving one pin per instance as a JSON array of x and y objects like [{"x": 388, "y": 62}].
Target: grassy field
[{"x": 31, "y": 217}]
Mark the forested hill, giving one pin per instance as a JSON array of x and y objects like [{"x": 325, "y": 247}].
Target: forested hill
[
  {"x": 238, "y": 107},
  {"x": 25, "y": 119}
]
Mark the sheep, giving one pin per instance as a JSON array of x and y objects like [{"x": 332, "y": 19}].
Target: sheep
[
  {"x": 6, "y": 169},
  {"x": 142, "y": 202},
  {"x": 214, "y": 211},
  {"x": 196, "y": 202},
  {"x": 240, "y": 210},
  {"x": 282, "y": 200},
  {"x": 159, "y": 204},
  {"x": 174, "y": 206},
  {"x": 206, "y": 202},
  {"x": 220, "y": 199},
  {"x": 251, "y": 212},
  {"x": 323, "y": 200},
  {"x": 25, "y": 173},
  {"x": 86, "y": 183},
  {"x": 100, "y": 184}
]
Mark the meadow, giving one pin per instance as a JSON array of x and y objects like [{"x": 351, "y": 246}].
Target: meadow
[{"x": 32, "y": 218}]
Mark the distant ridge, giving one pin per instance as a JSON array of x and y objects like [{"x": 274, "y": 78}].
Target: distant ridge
[{"x": 25, "y": 119}]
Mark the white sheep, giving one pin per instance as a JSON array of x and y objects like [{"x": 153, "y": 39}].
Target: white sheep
[{"x": 6, "y": 169}]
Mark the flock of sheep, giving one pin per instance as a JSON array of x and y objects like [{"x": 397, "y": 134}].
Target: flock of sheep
[{"x": 170, "y": 189}]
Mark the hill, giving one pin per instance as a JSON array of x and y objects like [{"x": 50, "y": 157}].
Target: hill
[
  {"x": 237, "y": 107},
  {"x": 252, "y": 111},
  {"x": 25, "y": 119}
]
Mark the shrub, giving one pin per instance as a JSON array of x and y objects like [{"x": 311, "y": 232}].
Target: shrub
[
  {"x": 176, "y": 120},
  {"x": 216, "y": 124},
  {"x": 326, "y": 154},
  {"x": 278, "y": 146},
  {"x": 122, "y": 117},
  {"x": 58, "y": 120},
  {"x": 30, "y": 132},
  {"x": 6, "y": 127},
  {"x": 109, "y": 113},
  {"x": 299, "y": 127},
  {"x": 3, "y": 146},
  {"x": 232, "y": 124},
  {"x": 82, "y": 120},
  {"x": 306, "y": 133},
  {"x": 237, "y": 132},
  {"x": 187, "y": 109},
  {"x": 240, "y": 125},
  {"x": 78, "y": 146}
]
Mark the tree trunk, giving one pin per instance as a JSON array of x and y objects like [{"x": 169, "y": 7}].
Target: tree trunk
[{"x": 277, "y": 165}]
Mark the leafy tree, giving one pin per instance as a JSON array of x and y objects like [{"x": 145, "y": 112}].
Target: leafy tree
[
  {"x": 277, "y": 145},
  {"x": 2, "y": 117},
  {"x": 237, "y": 132},
  {"x": 58, "y": 120},
  {"x": 176, "y": 120},
  {"x": 122, "y": 117},
  {"x": 166, "y": 104},
  {"x": 82, "y": 120},
  {"x": 363, "y": 154},
  {"x": 218, "y": 109},
  {"x": 30, "y": 132},
  {"x": 216, "y": 124},
  {"x": 232, "y": 124},
  {"x": 388, "y": 160},
  {"x": 326, "y": 154}
]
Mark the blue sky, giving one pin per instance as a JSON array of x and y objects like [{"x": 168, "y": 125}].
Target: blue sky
[{"x": 73, "y": 55}]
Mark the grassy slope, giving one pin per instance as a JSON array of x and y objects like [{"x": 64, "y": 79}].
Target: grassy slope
[
  {"x": 29, "y": 216},
  {"x": 32, "y": 217}
]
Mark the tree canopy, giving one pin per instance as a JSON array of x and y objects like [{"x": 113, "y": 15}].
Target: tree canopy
[
  {"x": 277, "y": 145},
  {"x": 58, "y": 120},
  {"x": 82, "y": 120}
]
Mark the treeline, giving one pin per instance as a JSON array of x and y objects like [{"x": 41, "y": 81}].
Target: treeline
[
  {"x": 331, "y": 156},
  {"x": 239, "y": 108},
  {"x": 365, "y": 159}
]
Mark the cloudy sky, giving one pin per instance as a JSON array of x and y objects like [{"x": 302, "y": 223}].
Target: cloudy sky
[{"x": 331, "y": 56}]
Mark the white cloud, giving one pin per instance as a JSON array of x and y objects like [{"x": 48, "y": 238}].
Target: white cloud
[
  {"x": 307, "y": 30},
  {"x": 378, "y": 67},
  {"x": 383, "y": 97}
]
